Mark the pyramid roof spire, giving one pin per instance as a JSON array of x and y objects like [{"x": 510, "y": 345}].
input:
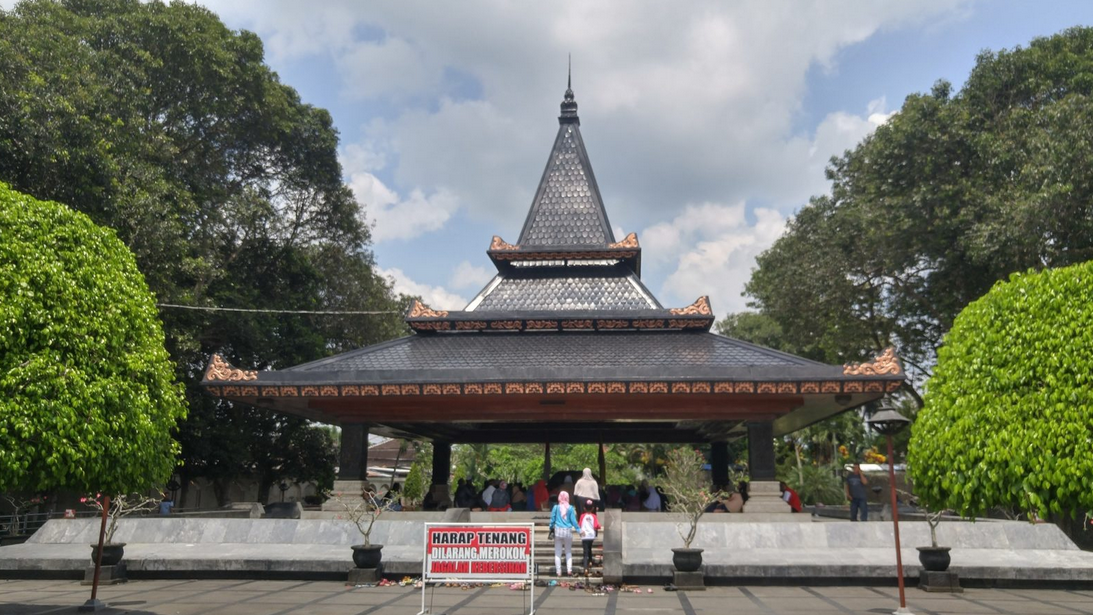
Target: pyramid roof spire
[{"x": 567, "y": 210}]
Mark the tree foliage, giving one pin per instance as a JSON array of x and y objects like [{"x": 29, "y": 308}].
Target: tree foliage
[
  {"x": 158, "y": 121},
  {"x": 1009, "y": 410},
  {"x": 953, "y": 193},
  {"x": 87, "y": 392}
]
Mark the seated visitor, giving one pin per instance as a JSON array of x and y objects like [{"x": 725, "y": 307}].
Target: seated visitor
[
  {"x": 791, "y": 497},
  {"x": 501, "y": 500}
]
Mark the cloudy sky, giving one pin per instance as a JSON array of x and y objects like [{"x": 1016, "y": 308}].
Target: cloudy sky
[{"x": 708, "y": 123}]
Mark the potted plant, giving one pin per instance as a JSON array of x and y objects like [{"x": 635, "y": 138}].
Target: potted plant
[
  {"x": 120, "y": 506},
  {"x": 934, "y": 558},
  {"x": 688, "y": 493},
  {"x": 363, "y": 514}
]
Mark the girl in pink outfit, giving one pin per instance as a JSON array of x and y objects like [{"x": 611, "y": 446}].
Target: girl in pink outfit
[{"x": 590, "y": 525}]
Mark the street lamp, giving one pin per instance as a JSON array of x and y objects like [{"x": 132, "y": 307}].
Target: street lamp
[{"x": 888, "y": 422}]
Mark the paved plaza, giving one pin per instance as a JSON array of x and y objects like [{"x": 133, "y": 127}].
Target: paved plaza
[{"x": 239, "y": 597}]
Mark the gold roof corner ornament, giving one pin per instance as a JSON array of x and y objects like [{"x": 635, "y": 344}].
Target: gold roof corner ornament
[
  {"x": 885, "y": 363},
  {"x": 630, "y": 241},
  {"x": 420, "y": 310},
  {"x": 698, "y": 308},
  {"x": 501, "y": 244},
  {"x": 219, "y": 369}
]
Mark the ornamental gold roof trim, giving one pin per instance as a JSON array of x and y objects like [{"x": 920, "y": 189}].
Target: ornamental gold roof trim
[
  {"x": 420, "y": 310},
  {"x": 886, "y": 363},
  {"x": 701, "y": 307},
  {"x": 220, "y": 369}
]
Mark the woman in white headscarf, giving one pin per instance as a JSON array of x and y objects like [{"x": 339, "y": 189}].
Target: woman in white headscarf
[{"x": 587, "y": 489}]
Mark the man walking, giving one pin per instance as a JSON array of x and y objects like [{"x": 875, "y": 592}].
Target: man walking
[{"x": 855, "y": 492}]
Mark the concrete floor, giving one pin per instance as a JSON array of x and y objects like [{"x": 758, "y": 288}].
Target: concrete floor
[{"x": 237, "y": 597}]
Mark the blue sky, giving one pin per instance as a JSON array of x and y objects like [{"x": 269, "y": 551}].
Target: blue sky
[{"x": 707, "y": 127}]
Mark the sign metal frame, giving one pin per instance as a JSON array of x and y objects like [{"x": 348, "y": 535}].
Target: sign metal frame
[{"x": 529, "y": 578}]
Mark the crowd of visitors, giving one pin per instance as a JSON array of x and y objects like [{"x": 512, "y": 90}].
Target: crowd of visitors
[{"x": 499, "y": 495}]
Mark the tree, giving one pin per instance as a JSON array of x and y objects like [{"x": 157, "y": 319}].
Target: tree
[
  {"x": 953, "y": 193},
  {"x": 87, "y": 393},
  {"x": 158, "y": 121},
  {"x": 1009, "y": 410}
]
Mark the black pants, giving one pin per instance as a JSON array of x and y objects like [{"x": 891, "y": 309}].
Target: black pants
[{"x": 586, "y": 544}]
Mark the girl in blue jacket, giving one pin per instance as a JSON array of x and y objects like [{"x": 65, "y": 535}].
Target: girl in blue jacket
[{"x": 563, "y": 521}]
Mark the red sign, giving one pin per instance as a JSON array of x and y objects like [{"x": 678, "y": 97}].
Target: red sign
[{"x": 478, "y": 552}]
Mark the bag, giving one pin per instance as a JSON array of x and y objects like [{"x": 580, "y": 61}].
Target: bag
[{"x": 550, "y": 534}]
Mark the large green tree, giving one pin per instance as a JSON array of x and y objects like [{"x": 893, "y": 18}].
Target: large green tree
[
  {"x": 1009, "y": 410},
  {"x": 158, "y": 121},
  {"x": 953, "y": 193},
  {"x": 87, "y": 393}
]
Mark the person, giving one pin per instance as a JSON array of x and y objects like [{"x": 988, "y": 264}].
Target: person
[
  {"x": 541, "y": 495},
  {"x": 464, "y": 495},
  {"x": 590, "y": 525},
  {"x": 742, "y": 487},
  {"x": 855, "y": 492},
  {"x": 587, "y": 489},
  {"x": 500, "y": 502},
  {"x": 519, "y": 498},
  {"x": 631, "y": 501},
  {"x": 652, "y": 501},
  {"x": 393, "y": 497},
  {"x": 487, "y": 493},
  {"x": 563, "y": 520},
  {"x": 663, "y": 499},
  {"x": 567, "y": 485},
  {"x": 791, "y": 497},
  {"x": 166, "y": 505},
  {"x": 735, "y": 502}
]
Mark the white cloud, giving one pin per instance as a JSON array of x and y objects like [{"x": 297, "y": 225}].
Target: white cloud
[
  {"x": 683, "y": 112},
  {"x": 436, "y": 297},
  {"x": 713, "y": 249},
  {"x": 394, "y": 217},
  {"x": 467, "y": 275}
]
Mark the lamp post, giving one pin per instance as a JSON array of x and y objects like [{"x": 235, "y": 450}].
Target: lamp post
[{"x": 888, "y": 422}]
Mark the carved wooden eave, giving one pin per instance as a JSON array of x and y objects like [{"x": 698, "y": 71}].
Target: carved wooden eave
[
  {"x": 420, "y": 310},
  {"x": 630, "y": 241},
  {"x": 701, "y": 307},
  {"x": 886, "y": 363},
  {"x": 220, "y": 370},
  {"x": 501, "y": 244}
]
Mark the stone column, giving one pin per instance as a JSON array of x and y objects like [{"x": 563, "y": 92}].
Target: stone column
[
  {"x": 546, "y": 462},
  {"x": 719, "y": 462},
  {"x": 352, "y": 467},
  {"x": 442, "y": 471},
  {"x": 764, "y": 496}
]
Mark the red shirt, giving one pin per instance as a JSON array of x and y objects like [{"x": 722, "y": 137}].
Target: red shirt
[{"x": 793, "y": 499}]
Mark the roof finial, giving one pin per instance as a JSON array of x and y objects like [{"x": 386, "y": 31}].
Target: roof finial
[{"x": 569, "y": 105}]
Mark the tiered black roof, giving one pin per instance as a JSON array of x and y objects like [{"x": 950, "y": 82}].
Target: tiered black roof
[{"x": 566, "y": 314}]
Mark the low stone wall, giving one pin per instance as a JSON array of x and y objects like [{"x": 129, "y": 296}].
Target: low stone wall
[
  {"x": 739, "y": 551},
  {"x": 637, "y": 546}
]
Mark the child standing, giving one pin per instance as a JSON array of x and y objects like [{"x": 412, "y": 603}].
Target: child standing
[{"x": 589, "y": 526}]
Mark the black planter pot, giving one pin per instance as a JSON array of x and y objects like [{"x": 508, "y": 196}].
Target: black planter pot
[
  {"x": 367, "y": 557},
  {"x": 687, "y": 560},
  {"x": 934, "y": 559},
  {"x": 111, "y": 553}
]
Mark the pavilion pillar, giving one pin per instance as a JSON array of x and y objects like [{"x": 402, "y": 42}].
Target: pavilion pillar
[
  {"x": 603, "y": 467},
  {"x": 719, "y": 463},
  {"x": 764, "y": 495},
  {"x": 352, "y": 467},
  {"x": 546, "y": 462},
  {"x": 442, "y": 471}
]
